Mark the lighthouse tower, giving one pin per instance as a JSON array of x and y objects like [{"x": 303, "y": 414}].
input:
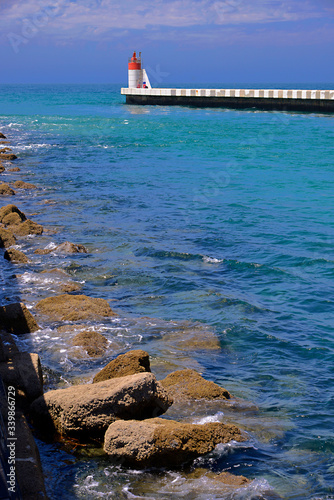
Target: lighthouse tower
[{"x": 137, "y": 77}]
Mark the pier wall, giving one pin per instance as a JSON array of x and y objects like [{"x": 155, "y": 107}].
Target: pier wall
[{"x": 268, "y": 99}]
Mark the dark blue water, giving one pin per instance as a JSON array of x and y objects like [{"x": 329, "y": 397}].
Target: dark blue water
[{"x": 205, "y": 224}]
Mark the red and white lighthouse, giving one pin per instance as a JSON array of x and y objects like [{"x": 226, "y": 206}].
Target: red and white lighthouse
[{"x": 137, "y": 77}]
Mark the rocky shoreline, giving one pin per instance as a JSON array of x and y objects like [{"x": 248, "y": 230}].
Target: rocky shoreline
[{"x": 119, "y": 411}]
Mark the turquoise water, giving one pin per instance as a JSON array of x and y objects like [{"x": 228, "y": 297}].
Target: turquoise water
[{"x": 211, "y": 223}]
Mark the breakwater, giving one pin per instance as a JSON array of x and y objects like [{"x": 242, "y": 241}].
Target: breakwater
[
  {"x": 117, "y": 414},
  {"x": 267, "y": 99},
  {"x": 209, "y": 235}
]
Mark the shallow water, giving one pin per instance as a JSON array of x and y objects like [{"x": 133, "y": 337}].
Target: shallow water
[{"x": 211, "y": 233}]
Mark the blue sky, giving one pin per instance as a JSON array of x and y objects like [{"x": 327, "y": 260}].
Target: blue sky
[{"x": 222, "y": 41}]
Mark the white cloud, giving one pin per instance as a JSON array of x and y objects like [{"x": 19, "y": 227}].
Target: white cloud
[{"x": 96, "y": 19}]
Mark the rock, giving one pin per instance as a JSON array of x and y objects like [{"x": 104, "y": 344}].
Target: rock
[
  {"x": 60, "y": 272},
  {"x": 70, "y": 287},
  {"x": 86, "y": 411},
  {"x": 4, "y": 150},
  {"x": 164, "y": 443},
  {"x": 16, "y": 318},
  {"x": 14, "y": 255},
  {"x": 24, "y": 185},
  {"x": 68, "y": 247},
  {"x": 27, "y": 227},
  {"x": 188, "y": 384},
  {"x": 5, "y": 190},
  {"x": 224, "y": 478},
  {"x": 3, "y": 352},
  {"x": 10, "y": 157},
  {"x": 7, "y": 238},
  {"x": 42, "y": 251},
  {"x": 131, "y": 362},
  {"x": 74, "y": 308},
  {"x": 2, "y": 169},
  {"x": 9, "y": 209},
  {"x": 230, "y": 479},
  {"x": 14, "y": 169},
  {"x": 93, "y": 342},
  {"x": 23, "y": 371},
  {"x": 12, "y": 219},
  {"x": 28, "y": 466},
  {"x": 2, "y": 136}
]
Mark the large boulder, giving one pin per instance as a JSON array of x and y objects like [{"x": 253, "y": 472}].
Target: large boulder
[
  {"x": 23, "y": 371},
  {"x": 5, "y": 190},
  {"x": 131, "y": 362},
  {"x": 7, "y": 238},
  {"x": 15, "y": 318},
  {"x": 74, "y": 308},
  {"x": 94, "y": 343},
  {"x": 28, "y": 466},
  {"x": 86, "y": 411},
  {"x": 188, "y": 384},
  {"x": 9, "y": 209},
  {"x": 164, "y": 443},
  {"x": 14, "y": 255}
]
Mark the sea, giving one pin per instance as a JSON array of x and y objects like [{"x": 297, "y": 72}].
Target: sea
[{"x": 210, "y": 232}]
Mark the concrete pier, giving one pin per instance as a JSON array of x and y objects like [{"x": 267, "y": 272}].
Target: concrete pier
[{"x": 268, "y": 99}]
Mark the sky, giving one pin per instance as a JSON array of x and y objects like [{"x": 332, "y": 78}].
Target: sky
[{"x": 182, "y": 41}]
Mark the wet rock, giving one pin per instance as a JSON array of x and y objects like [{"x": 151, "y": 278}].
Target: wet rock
[
  {"x": 60, "y": 272},
  {"x": 28, "y": 466},
  {"x": 230, "y": 479},
  {"x": 223, "y": 477},
  {"x": 164, "y": 443},
  {"x": 15, "y": 318},
  {"x": 14, "y": 169},
  {"x": 42, "y": 251},
  {"x": 14, "y": 255},
  {"x": 94, "y": 343},
  {"x": 68, "y": 247},
  {"x": 24, "y": 185},
  {"x": 5, "y": 190},
  {"x": 7, "y": 238},
  {"x": 188, "y": 384},
  {"x": 23, "y": 371},
  {"x": 27, "y": 227},
  {"x": 12, "y": 219},
  {"x": 2, "y": 169},
  {"x": 86, "y": 411},
  {"x": 70, "y": 287},
  {"x": 4, "y": 150},
  {"x": 2, "y": 136},
  {"x": 136, "y": 361},
  {"x": 10, "y": 209},
  {"x": 192, "y": 337},
  {"x": 74, "y": 308},
  {"x": 4, "y": 156}
]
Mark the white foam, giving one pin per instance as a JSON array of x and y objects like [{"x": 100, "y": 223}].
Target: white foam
[
  {"x": 211, "y": 260},
  {"x": 217, "y": 417}
]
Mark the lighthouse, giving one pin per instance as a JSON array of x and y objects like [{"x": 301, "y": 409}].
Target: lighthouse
[{"x": 137, "y": 76}]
